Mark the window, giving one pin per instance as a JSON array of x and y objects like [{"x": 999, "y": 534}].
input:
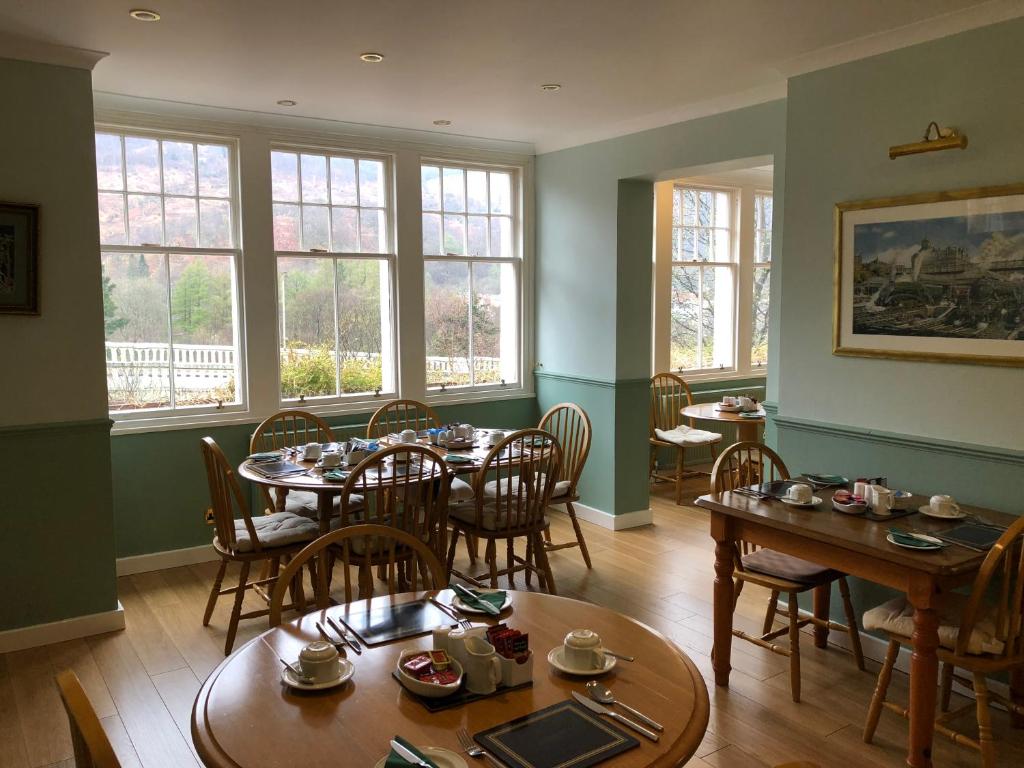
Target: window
[
  {"x": 169, "y": 248},
  {"x": 335, "y": 260},
  {"x": 762, "y": 278},
  {"x": 472, "y": 269}
]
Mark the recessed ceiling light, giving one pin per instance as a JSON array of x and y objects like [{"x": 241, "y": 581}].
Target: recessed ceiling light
[
  {"x": 287, "y": 103},
  {"x": 372, "y": 58},
  {"x": 551, "y": 87},
  {"x": 142, "y": 14},
  {"x": 442, "y": 122}
]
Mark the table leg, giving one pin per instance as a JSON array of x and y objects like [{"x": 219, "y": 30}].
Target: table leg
[
  {"x": 822, "y": 604},
  {"x": 924, "y": 677},
  {"x": 746, "y": 432},
  {"x": 723, "y": 597}
]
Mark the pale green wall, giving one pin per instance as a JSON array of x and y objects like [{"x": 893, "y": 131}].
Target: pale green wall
[{"x": 56, "y": 526}]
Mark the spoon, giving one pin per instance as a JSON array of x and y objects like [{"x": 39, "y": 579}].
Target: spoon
[
  {"x": 299, "y": 674},
  {"x": 603, "y": 695}
]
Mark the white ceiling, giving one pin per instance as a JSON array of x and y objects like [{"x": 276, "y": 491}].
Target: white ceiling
[{"x": 624, "y": 64}]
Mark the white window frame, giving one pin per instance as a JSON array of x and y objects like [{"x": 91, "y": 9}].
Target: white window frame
[
  {"x": 356, "y": 401},
  {"x": 755, "y": 266},
  {"x": 193, "y": 413}
]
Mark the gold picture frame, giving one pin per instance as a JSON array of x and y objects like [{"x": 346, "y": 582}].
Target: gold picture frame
[{"x": 935, "y": 277}]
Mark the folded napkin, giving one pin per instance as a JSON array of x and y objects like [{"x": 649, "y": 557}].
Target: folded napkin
[
  {"x": 336, "y": 475},
  {"x": 394, "y": 761},
  {"x": 684, "y": 435},
  {"x": 497, "y": 599},
  {"x": 265, "y": 456}
]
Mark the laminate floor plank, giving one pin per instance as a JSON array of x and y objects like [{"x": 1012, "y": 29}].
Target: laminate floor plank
[
  {"x": 76, "y": 656},
  {"x": 153, "y": 646},
  {"x": 121, "y": 742},
  {"x": 44, "y": 723},
  {"x": 13, "y": 751}
]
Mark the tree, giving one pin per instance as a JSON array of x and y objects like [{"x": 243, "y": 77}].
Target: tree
[{"x": 111, "y": 322}]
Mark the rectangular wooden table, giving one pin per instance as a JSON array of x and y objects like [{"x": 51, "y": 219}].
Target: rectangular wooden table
[{"x": 856, "y": 546}]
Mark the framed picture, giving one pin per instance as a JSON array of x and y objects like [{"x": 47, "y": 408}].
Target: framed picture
[
  {"x": 936, "y": 277},
  {"x": 19, "y": 259}
]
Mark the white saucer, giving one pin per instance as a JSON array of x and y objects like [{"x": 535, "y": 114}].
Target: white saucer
[
  {"x": 345, "y": 672},
  {"x": 556, "y": 659},
  {"x": 445, "y": 758},
  {"x": 927, "y": 512},
  {"x": 814, "y": 500},
  {"x": 467, "y": 608},
  {"x": 926, "y": 546},
  {"x": 728, "y": 408}
]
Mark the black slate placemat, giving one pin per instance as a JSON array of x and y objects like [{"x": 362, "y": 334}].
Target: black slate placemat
[
  {"x": 564, "y": 735},
  {"x": 460, "y": 697},
  {"x": 385, "y": 623}
]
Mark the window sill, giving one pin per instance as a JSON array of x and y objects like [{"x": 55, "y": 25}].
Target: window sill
[
  {"x": 435, "y": 397},
  {"x": 131, "y": 426},
  {"x": 716, "y": 376}
]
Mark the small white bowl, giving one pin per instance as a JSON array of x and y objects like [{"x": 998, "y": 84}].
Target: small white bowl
[{"x": 427, "y": 690}]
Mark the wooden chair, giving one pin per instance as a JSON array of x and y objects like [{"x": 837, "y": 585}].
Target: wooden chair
[
  {"x": 669, "y": 395},
  {"x": 267, "y": 539},
  {"x": 407, "y": 560},
  {"x": 290, "y": 428},
  {"x": 571, "y": 427},
  {"x": 981, "y": 632},
  {"x": 511, "y": 506},
  {"x": 397, "y": 415},
  {"x": 88, "y": 739},
  {"x": 744, "y": 464}
]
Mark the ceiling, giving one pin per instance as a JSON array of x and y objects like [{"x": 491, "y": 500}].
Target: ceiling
[{"x": 623, "y": 65}]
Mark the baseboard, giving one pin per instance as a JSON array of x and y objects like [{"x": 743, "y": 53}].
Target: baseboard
[
  {"x": 172, "y": 558},
  {"x": 610, "y": 521},
  {"x": 60, "y": 631}
]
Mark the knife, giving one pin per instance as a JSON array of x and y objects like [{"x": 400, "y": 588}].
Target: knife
[
  {"x": 474, "y": 601},
  {"x": 408, "y": 755},
  {"x": 593, "y": 706},
  {"x": 347, "y": 637}
]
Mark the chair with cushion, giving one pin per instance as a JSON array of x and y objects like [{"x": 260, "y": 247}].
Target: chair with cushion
[
  {"x": 396, "y": 415},
  {"x": 89, "y": 741},
  {"x": 290, "y": 428},
  {"x": 669, "y": 395},
  {"x": 571, "y": 427},
  {"x": 408, "y": 562},
  {"x": 744, "y": 464},
  {"x": 267, "y": 539},
  {"x": 523, "y": 468},
  {"x": 981, "y": 633}
]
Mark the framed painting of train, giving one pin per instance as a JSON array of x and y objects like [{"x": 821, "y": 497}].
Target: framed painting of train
[{"x": 936, "y": 277}]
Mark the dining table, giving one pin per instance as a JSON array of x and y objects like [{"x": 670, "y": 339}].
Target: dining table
[
  {"x": 857, "y": 546},
  {"x": 244, "y": 716},
  {"x": 746, "y": 425}
]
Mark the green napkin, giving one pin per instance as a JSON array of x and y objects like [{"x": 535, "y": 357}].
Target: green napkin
[
  {"x": 912, "y": 541},
  {"x": 497, "y": 599},
  {"x": 336, "y": 475},
  {"x": 457, "y": 459},
  {"x": 394, "y": 761}
]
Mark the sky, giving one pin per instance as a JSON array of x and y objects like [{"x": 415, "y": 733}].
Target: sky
[{"x": 989, "y": 235}]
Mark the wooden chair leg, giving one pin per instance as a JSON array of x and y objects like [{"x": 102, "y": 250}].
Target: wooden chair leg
[
  {"x": 851, "y": 622},
  {"x": 769, "y": 617},
  {"x": 215, "y": 592},
  {"x": 530, "y": 561},
  {"x": 571, "y": 511},
  {"x": 985, "y": 737},
  {"x": 680, "y": 468},
  {"x": 492, "y": 559},
  {"x": 472, "y": 548},
  {"x": 451, "y": 550},
  {"x": 510, "y": 555},
  {"x": 946, "y": 689},
  {"x": 547, "y": 535},
  {"x": 794, "y": 647},
  {"x": 878, "y": 699},
  {"x": 236, "y": 610},
  {"x": 544, "y": 565}
]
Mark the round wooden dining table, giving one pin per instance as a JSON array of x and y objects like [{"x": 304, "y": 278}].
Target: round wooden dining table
[
  {"x": 244, "y": 717},
  {"x": 746, "y": 426}
]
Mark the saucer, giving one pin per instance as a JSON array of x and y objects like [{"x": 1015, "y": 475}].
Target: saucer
[
  {"x": 728, "y": 408},
  {"x": 927, "y": 512},
  {"x": 345, "y": 672},
  {"x": 444, "y": 758},
  {"x": 467, "y": 608},
  {"x": 814, "y": 501},
  {"x": 556, "y": 658}
]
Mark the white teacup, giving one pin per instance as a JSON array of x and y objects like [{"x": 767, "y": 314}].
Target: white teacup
[
  {"x": 729, "y": 400},
  {"x": 495, "y": 437},
  {"x": 331, "y": 460},
  {"x": 943, "y": 505},
  {"x": 464, "y": 432},
  {"x": 582, "y": 650},
  {"x": 407, "y": 436},
  {"x": 746, "y": 403},
  {"x": 319, "y": 661},
  {"x": 354, "y": 457},
  {"x": 801, "y": 493},
  {"x": 311, "y": 452},
  {"x": 482, "y": 667}
]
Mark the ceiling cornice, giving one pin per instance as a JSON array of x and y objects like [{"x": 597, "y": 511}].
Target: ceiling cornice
[{"x": 27, "y": 49}]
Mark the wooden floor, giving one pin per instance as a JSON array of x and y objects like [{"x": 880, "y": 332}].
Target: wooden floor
[{"x": 143, "y": 681}]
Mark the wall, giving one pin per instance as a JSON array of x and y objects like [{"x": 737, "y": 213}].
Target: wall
[
  {"x": 594, "y": 230},
  {"x": 56, "y": 526}
]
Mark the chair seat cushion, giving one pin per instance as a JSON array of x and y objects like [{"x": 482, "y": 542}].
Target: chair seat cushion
[
  {"x": 276, "y": 530},
  {"x": 490, "y": 519},
  {"x": 687, "y": 436},
  {"x": 772, "y": 563},
  {"x": 491, "y": 487},
  {"x": 561, "y": 490},
  {"x": 460, "y": 491},
  {"x": 303, "y": 503},
  {"x": 897, "y": 617}
]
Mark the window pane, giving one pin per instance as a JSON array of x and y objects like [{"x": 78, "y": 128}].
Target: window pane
[
  {"x": 454, "y": 190},
  {"x": 286, "y": 227},
  {"x": 135, "y": 313},
  {"x": 689, "y": 207},
  {"x": 432, "y": 234},
  {"x": 343, "y": 181},
  {"x": 214, "y": 175},
  {"x": 759, "y": 335},
  {"x": 306, "y": 313},
  {"x": 363, "y": 322},
  {"x": 677, "y": 207},
  {"x": 702, "y": 312},
  {"x": 202, "y": 329},
  {"x": 284, "y": 176},
  {"x": 476, "y": 189},
  {"x": 430, "y": 187},
  {"x": 501, "y": 193},
  {"x": 723, "y": 218},
  {"x": 111, "y": 210},
  {"x": 179, "y": 168},
  {"x": 215, "y": 224},
  {"x": 685, "y": 307},
  {"x": 477, "y": 236},
  {"x": 501, "y": 237},
  {"x": 763, "y": 247},
  {"x": 108, "y": 161},
  {"x": 315, "y": 227},
  {"x": 455, "y": 235},
  {"x": 446, "y": 300},
  {"x": 371, "y": 183},
  {"x": 314, "y": 179},
  {"x": 345, "y": 230},
  {"x": 372, "y": 231},
  {"x": 142, "y": 162},
  {"x": 495, "y": 347},
  {"x": 180, "y": 221},
  {"x": 144, "y": 220}
]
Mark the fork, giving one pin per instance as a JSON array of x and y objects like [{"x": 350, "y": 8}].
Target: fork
[{"x": 474, "y": 750}]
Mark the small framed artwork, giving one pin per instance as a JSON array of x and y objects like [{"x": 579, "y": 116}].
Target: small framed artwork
[
  {"x": 937, "y": 277},
  {"x": 19, "y": 259}
]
